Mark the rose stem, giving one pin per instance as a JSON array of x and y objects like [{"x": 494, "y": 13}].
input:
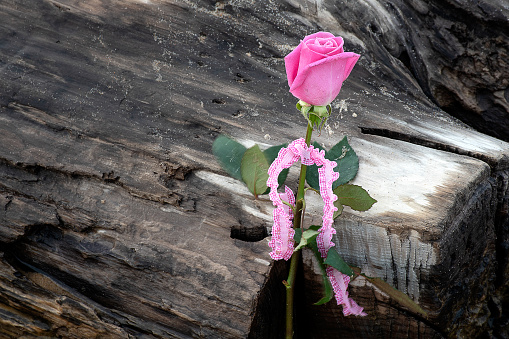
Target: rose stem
[{"x": 296, "y": 256}]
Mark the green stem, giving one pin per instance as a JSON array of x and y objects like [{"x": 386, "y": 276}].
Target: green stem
[
  {"x": 297, "y": 220},
  {"x": 303, "y": 168}
]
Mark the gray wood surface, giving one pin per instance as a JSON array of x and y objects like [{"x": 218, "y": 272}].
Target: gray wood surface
[{"x": 117, "y": 221}]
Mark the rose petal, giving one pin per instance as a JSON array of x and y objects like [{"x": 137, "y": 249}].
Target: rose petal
[
  {"x": 292, "y": 59},
  {"x": 323, "y": 35},
  {"x": 308, "y": 56},
  {"x": 319, "y": 83},
  {"x": 322, "y": 49},
  {"x": 330, "y": 42},
  {"x": 292, "y": 64},
  {"x": 325, "y": 47}
]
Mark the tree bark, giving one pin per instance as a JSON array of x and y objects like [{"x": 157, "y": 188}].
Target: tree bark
[{"x": 116, "y": 220}]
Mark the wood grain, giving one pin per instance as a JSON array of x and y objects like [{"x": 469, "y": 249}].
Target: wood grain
[{"x": 116, "y": 220}]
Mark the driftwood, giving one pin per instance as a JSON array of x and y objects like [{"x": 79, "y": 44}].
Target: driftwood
[{"x": 117, "y": 221}]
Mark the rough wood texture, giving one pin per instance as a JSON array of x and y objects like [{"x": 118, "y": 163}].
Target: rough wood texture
[
  {"x": 118, "y": 221},
  {"x": 456, "y": 50},
  {"x": 438, "y": 247}
]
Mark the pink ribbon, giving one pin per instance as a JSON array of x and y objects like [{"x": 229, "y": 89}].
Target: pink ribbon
[{"x": 282, "y": 242}]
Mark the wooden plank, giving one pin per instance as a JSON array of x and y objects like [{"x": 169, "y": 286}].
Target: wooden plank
[
  {"x": 431, "y": 236},
  {"x": 117, "y": 219},
  {"x": 91, "y": 231}
]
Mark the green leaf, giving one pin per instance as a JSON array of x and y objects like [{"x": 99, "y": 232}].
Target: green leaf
[
  {"x": 253, "y": 168},
  {"x": 271, "y": 154},
  {"x": 397, "y": 295},
  {"x": 312, "y": 172},
  {"x": 297, "y": 235},
  {"x": 327, "y": 290},
  {"x": 337, "y": 203},
  {"x": 334, "y": 259},
  {"x": 314, "y": 227},
  {"x": 229, "y": 153},
  {"x": 355, "y": 197},
  {"x": 305, "y": 237},
  {"x": 347, "y": 160},
  {"x": 327, "y": 287}
]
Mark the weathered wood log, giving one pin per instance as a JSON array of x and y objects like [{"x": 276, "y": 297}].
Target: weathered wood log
[
  {"x": 436, "y": 247},
  {"x": 455, "y": 50},
  {"x": 118, "y": 221}
]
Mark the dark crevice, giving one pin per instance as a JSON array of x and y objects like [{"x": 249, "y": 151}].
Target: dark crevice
[
  {"x": 500, "y": 307},
  {"x": 36, "y": 169},
  {"x": 110, "y": 177},
  {"x": 456, "y": 96},
  {"x": 493, "y": 124},
  {"x": 417, "y": 317},
  {"x": 18, "y": 259},
  {"x": 269, "y": 308},
  {"x": 383, "y": 132},
  {"x": 79, "y": 289},
  {"x": 248, "y": 234},
  {"x": 9, "y": 202},
  {"x": 405, "y": 59},
  {"x": 172, "y": 198},
  {"x": 393, "y": 263},
  {"x": 502, "y": 245}
]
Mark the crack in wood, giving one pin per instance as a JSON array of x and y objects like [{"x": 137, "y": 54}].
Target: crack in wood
[
  {"x": 70, "y": 305},
  {"x": 78, "y": 83},
  {"x": 391, "y": 134},
  {"x": 172, "y": 198},
  {"x": 249, "y": 234}
]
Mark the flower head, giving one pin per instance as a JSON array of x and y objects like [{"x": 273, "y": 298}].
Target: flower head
[{"x": 317, "y": 68}]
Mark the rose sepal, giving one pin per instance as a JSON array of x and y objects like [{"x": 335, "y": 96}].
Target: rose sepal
[
  {"x": 316, "y": 116},
  {"x": 304, "y": 108}
]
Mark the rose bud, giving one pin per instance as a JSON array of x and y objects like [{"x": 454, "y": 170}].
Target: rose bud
[{"x": 317, "y": 68}]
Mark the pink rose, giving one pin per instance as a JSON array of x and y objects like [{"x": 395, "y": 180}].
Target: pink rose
[{"x": 317, "y": 68}]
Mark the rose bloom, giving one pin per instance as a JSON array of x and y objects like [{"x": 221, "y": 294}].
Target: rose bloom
[{"x": 317, "y": 68}]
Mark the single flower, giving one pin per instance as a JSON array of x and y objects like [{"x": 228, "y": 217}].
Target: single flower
[{"x": 317, "y": 68}]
